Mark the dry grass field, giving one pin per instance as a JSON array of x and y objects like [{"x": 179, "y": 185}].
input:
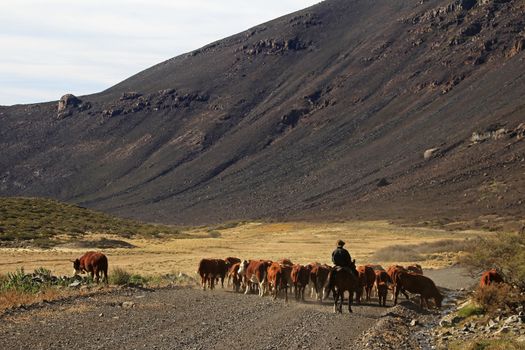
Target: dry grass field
[{"x": 368, "y": 242}]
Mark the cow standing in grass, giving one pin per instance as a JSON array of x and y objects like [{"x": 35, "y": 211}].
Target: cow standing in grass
[{"x": 94, "y": 263}]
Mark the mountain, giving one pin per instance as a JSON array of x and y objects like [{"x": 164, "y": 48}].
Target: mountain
[{"x": 347, "y": 109}]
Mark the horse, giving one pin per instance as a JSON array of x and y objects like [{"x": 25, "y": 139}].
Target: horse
[{"x": 339, "y": 281}]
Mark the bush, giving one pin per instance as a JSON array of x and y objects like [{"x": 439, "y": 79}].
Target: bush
[
  {"x": 119, "y": 276},
  {"x": 19, "y": 281},
  {"x": 505, "y": 252},
  {"x": 497, "y": 296},
  {"x": 138, "y": 279}
]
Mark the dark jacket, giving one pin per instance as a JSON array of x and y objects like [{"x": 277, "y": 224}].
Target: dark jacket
[{"x": 341, "y": 257}]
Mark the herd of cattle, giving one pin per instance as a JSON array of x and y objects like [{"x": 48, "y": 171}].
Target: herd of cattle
[{"x": 269, "y": 277}]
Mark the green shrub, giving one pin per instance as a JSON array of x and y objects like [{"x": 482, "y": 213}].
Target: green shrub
[
  {"x": 20, "y": 281},
  {"x": 119, "y": 276},
  {"x": 138, "y": 279},
  {"x": 471, "y": 310}
]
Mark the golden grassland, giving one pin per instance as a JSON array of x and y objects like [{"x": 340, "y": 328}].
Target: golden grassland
[{"x": 302, "y": 242}]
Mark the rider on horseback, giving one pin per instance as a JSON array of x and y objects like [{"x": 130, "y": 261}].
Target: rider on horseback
[
  {"x": 343, "y": 277},
  {"x": 342, "y": 260},
  {"x": 340, "y": 256}
]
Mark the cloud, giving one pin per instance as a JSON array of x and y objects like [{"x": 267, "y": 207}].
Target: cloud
[{"x": 53, "y": 47}]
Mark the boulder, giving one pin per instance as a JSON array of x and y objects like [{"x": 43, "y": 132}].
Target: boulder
[
  {"x": 431, "y": 153},
  {"x": 68, "y": 101}
]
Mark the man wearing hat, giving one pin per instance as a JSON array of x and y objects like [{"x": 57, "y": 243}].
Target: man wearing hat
[{"x": 340, "y": 256}]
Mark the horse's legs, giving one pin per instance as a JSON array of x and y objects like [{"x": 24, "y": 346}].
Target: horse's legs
[
  {"x": 336, "y": 296},
  {"x": 350, "y": 298}
]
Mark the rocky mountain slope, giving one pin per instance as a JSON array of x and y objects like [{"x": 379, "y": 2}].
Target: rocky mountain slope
[{"x": 350, "y": 108}]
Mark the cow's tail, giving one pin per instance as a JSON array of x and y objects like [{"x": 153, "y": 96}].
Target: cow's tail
[{"x": 329, "y": 284}]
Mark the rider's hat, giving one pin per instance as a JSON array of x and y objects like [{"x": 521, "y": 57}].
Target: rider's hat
[{"x": 340, "y": 243}]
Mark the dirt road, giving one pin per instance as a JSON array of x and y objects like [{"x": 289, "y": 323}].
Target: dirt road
[
  {"x": 184, "y": 319},
  {"x": 188, "y": 318}
]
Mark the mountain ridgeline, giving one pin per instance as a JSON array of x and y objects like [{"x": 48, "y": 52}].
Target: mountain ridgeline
[{"x": 347, "y": 109}]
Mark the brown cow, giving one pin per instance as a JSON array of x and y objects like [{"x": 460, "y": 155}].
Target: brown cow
[
  {"x": 318, "y": 276},
  {"x": 417, "y": 284},
  {"x": 211, "y": 269},
  {"x": 300, "y": 278},
  {"x": 311, "y": 285},
  {"x": 416, "y": 268},
  {"x": 381, "y": 284},
  {"x": 376, "y": 267},
  {"x": 393, "y": 271},
  {"x": 233, "y": 275},
  {"x": 490, "y": 276},
  {"x": 94, "y": 263},
  {"x": 287, "y": 276},
  {"x": 366, "y": 277},
  {"x": 276, "y": 280},
  {"x": 230, "y": 261},
  {"x": 255, "y": 272}
]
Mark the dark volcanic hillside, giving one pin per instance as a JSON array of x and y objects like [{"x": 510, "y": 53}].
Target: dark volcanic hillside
[{"x": 300, "y": 117}]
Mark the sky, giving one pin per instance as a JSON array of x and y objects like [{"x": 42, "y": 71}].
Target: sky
[{"x": 53, "y": 47}]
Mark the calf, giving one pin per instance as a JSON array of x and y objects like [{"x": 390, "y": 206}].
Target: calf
[
  {"x": 417, "y": 284},
  {"x": 490, "y": 276},
  {"x": 93, "y": 262}
]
